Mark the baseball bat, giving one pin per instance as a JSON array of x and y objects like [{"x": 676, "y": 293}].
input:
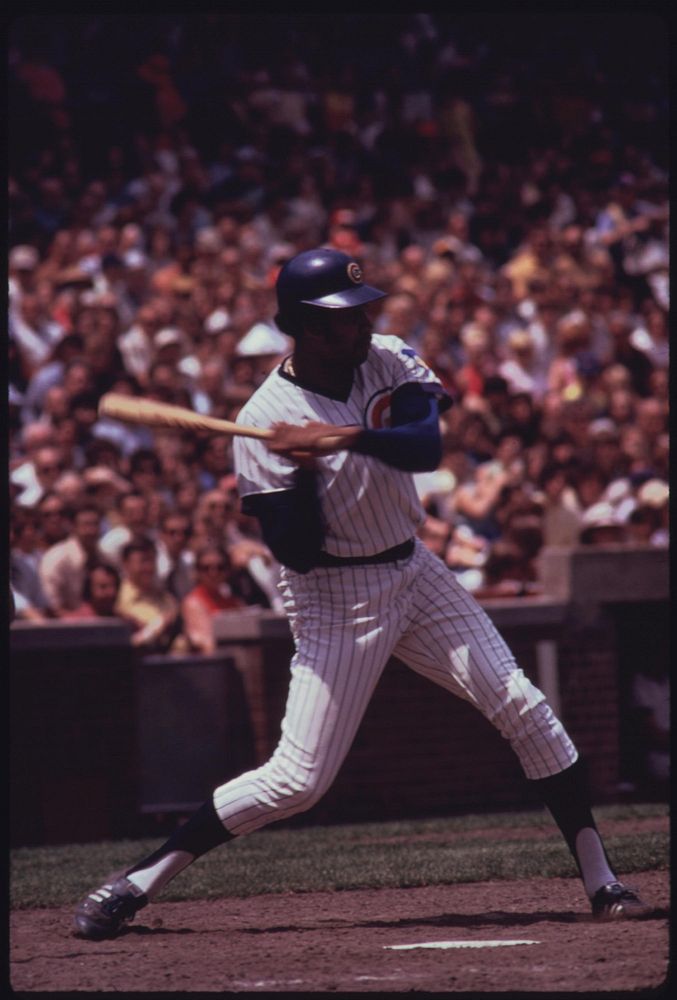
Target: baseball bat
[{"x": 152, "y": 413}]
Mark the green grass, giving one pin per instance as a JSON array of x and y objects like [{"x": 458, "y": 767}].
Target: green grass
[{"x": 366, "y": 855}]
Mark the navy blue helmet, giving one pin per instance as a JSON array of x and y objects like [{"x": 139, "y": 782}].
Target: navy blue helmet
[{"x": 326, "y": 278}]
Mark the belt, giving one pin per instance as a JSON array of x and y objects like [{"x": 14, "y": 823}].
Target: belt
[{"x": 390, "y": 555}]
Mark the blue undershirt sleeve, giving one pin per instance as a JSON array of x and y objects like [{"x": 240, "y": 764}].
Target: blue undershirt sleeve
[{"x": 413, "y": 442}]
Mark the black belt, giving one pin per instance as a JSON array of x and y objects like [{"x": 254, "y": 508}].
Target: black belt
[{"x": 390, "y": 555}]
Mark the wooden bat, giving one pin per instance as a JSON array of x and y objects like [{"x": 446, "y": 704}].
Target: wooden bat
[{"x": 151, "y": 413}]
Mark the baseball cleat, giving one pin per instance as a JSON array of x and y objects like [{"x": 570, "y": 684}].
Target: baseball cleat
[
  {"x": 105, "y": 911},
  {"x": 616, "y": 901}
]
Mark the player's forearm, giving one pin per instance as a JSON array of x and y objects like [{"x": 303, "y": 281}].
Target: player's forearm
[{"x": 413, "y": 443}]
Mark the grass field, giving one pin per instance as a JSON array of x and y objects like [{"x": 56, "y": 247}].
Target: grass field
[{"x": 368, "y": 855}]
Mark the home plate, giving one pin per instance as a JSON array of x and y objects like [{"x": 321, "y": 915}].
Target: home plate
[{"x": 457, "y": 944}]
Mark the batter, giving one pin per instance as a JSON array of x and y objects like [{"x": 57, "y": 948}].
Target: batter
[{"x": 342, "y": 516}]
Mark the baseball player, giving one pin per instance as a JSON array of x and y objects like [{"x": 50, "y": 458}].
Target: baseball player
[{"x": 353, "y": 415}]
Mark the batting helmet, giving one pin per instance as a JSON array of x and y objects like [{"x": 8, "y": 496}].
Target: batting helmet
[{"x": 325, "y": 278}]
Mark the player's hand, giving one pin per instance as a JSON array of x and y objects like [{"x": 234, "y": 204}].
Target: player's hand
[{"x": 304, "y": 443}]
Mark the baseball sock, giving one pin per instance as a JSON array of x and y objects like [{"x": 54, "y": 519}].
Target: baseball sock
[
  {"x": 566, "y": 796},
  {"x": 203, "y": 831}
]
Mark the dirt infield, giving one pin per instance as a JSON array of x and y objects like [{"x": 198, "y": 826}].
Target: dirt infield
[{"x": 345, "y": 942}]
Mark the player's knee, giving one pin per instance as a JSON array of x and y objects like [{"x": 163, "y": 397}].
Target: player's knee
[{"x": 297, "y": 792}]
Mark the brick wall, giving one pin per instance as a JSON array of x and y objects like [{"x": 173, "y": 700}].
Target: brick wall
[{"x": 84, "y": 752}]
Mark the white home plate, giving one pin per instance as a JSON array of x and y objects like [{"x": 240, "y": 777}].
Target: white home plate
[{"x": 457, "y": 944}]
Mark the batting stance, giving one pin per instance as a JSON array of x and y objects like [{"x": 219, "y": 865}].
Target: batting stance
[{"x": 353, "y": 415}]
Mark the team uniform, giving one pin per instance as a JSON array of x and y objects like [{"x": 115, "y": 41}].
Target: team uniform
[
  {"x": 358, "y": 587},
  {"x": 348, "y": 619}
]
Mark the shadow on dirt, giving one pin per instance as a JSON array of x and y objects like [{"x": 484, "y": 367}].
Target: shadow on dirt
[{"x": 499, "y": 918}]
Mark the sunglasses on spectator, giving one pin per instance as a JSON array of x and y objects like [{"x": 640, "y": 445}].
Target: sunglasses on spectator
[
  {"x": 49, "y": 468},
  {"x": 176, "y": 531},
  {"x": 208, "y": 566}
]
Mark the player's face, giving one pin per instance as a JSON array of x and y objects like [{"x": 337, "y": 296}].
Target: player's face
[{"x": 348, "y": 335}]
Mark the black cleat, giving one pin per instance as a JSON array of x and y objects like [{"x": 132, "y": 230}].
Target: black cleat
[
  {"x": 104, "y": 912},
  {"x": 616, "y": 901}
]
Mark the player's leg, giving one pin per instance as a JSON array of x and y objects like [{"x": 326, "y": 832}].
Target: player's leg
[
  {"x": 345, "y": 622},
  {"x": 344, "y": 628},
  {"x": 452, "y": 641}
]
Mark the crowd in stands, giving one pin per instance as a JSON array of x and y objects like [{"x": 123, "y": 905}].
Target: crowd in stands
[{"x": 511, "y": 198}]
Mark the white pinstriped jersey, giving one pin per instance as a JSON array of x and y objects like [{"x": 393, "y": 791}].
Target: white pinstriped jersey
[{"x": 367, "y": 506}]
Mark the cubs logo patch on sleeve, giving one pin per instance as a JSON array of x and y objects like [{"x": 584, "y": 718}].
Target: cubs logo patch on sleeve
[{"x": 377, "y": 412}]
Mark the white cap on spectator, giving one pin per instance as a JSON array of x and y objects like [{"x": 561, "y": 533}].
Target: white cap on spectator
[
  {"x": 23, "y": 258},
  {"x": 601, "y": 515},
  {"x": 208, "y": 239},
  {"x": 262, "y": 339},
  {"x": 166, "y": 336},
  {"x": 103, "y": 475},
  {"x": 217, "y": 321},
  {"x": 617, "y": 491},
  {"x": 603, "y": 426},
  {"x": 135, "y": 260},
  {"x": 653, "y": 493}
]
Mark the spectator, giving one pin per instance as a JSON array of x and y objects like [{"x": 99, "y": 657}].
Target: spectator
[
  {"x": 136, "y": 343},
  {"x": 589, "y": 484},
  {"x": 133, "y": 526},
  {"x": 561, "y": 520},
  {"x": 33, "y": 332},
  {"x": 607, "y": 453},
  {"x": 125, "y": 437},
  {"x": 472, "y": 255},
  {"x": 600, "y": 525},
  {"x": 478, "y": 363},
  {"x": 22, "y": 464},
  {"x": 466, "y": 555},
  {"x": 255, "y": 574},
  {"x": 63, "y": 566},
  {"x": 70, "y": 487},
  {"x": 506, "y": 572},
  {"x": 477, "y": 501},
  {"x": 25, "y": 555},
  {"x": 22, "y": 610},
  {"x": 435, "y": 535},
  {"x": 23, "y": 263},
  {"x": 623, "y": 352},
  {"x": 210, "y": 595},
  {"x": 651, "y": 338},
  {"x": 99, "y": 593},
  {"x": 521, "y": 369},
  {"x": 143, "y": 601},
  {"x": 49, "y": 376},
  {"x": 145, "y": 471},
  {"x": 103, "y": 486},
  {"x": 175, "y": 560},
  {"x": 655, "y": 494},
  {"x": 48, "y": 467},
  {"x": 52, "y": 519}
]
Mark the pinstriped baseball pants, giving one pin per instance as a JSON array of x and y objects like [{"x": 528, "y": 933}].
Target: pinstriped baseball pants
[{"x": 347, "y": 622}]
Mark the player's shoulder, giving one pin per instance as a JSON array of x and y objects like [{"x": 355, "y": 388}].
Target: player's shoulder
[
  {"x": 387, "y": 343},
  {"x": 389, "y": 349}
]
